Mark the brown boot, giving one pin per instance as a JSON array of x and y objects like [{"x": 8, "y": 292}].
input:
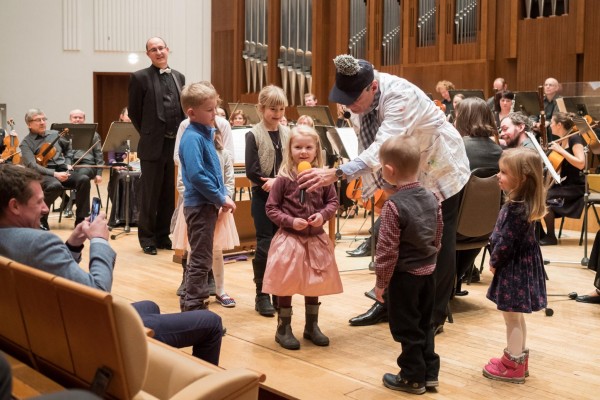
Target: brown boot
[
  {"x": 284, "y": 335},
  {"x": 311, "y": 327}
]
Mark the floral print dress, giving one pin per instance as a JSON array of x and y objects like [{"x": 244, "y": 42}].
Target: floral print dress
[{"x": 519, "y": 283}]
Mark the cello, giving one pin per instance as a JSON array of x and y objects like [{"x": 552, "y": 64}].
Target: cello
[
  {"x": 11, "y": 145},
  {"x": 47, "y": 151}
]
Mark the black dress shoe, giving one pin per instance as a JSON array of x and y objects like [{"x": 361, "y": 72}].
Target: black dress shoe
[
  {"x": 588, "y": 299},
  {"x": 461, "y": 293},
  {"x": 549, "y": 240},
  {"x": 44, "y": 224},
  {"x": 364, "y": 250},
  {"x": 377, "y": 313},
  {"x": 165, "y": 245},
  {"x": 150, "y": 250}
]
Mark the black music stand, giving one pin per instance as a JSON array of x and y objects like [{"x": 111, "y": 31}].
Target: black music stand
[
  {"x": 344, "y": 144},
  {"x": 82, "y": 135},
  {"x": 528, "y": 103},
  {"x": 248, "y": 109},
  {"x": 320, "y": 114},
  {"x": 467, "y": 93},
  {"x": 122, "y": 137}
]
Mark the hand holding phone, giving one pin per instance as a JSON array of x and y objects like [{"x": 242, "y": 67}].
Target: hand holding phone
[{"x": 95, "y": 209}]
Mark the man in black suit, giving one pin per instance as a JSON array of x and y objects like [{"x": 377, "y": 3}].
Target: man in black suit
[{"x": 155, "y": 111}]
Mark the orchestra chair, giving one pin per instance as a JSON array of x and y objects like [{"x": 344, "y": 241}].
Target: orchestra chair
[
  {"x": 479, "y": 208},
  {"x": 593, "y": 181},
  {"x": 83, "y": 337}
]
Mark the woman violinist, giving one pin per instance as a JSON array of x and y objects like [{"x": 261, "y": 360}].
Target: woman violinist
[{"x": 565, "y": 199}]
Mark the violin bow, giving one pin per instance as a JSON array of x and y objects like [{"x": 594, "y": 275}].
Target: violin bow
[{"x": 84, "y": 154}]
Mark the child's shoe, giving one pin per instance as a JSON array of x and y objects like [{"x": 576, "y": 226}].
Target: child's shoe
[
  {"x": 284, "y": 335},
  {"x": 225, "y": 300},
  {"x": 525, "y": 351},
  {"x": 312, "y": 331},
  {"x": 510, "y": 369},
  {"x": 395, "y": 382}
]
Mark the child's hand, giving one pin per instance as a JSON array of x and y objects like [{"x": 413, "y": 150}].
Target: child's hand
[
  {"x": 492, "y": 269},
  {"x": 299, "y": 224},
  {"x": 315, "y": 220},
  {"x": 268, "y": 184},
  {"x": 379, "y": 294},
  {"x": 229, "y": 205}
]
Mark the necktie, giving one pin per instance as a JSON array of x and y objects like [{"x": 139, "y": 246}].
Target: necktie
[{"x": 165, "y": 71}]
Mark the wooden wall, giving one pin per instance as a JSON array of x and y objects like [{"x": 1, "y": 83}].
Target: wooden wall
[{"x": 523, "y": 51}]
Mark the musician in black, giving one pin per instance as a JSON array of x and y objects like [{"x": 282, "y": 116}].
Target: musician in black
[
  {"x": 93, "y": 158},
  {"x": 57, "y": 173}
]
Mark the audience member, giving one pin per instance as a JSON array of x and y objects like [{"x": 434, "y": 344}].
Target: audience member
[
  {"x": 57, "y": 173},
  {"x": 22, "y": 205},
  {"x": 155, "y": 111}
]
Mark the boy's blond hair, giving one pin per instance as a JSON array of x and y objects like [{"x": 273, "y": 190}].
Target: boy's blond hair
[
  {"x": 401, "y": 152},
  {"x": 288, "y": 169},
  {"x": 271, "y": 96},
  {"x": 197, "y": 93}
]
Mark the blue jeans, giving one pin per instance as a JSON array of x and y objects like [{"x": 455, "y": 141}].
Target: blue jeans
[{"x": 201, "y": 329}]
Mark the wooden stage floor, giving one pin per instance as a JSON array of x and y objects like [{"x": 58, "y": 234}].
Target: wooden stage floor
[{"x": 564, "y": 361}]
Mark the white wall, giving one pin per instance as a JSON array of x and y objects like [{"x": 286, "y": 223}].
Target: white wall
[{"x": 36, "y": 72}]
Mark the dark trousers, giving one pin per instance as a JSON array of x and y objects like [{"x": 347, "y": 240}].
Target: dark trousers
[
  {"x": 445, "y": 270},
  {"x": 156, "y": 197},
  {"x": 201, "y": 329},
  {"x": 465, "y": 260},
  {"x": 265, "y": 229},
  {"x": 201, "y": 223},
  {"x": 53, "y": 188},
  {"x": 410, "y": 307}
]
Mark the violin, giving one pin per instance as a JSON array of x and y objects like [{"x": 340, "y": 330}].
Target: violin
[
  {"x": 47, "y": 151},
  {"x": 11, "y": 145},
  {"x": 441, "y": 105}
]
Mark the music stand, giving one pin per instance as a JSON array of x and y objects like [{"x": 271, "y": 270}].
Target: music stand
[
  {"x": 583, "y": 105},
  {"x": 122, "y": 137},
  {"x": 467, "y": 93},
  {"x": 248, "y": 109},
  {"x": 320, "y": 114},
  {"x": 527, "y": 102},
  {"x": 82, "y": 135}
]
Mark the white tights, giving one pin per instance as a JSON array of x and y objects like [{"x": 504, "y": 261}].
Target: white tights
[
  {"x": 218, "y": 268},
  {"x": 516, "y": 332}
]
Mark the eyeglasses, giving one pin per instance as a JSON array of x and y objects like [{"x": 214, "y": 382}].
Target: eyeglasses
[
  {"x": 39, "y": 120},
  {"x": 157, "y": 49}
]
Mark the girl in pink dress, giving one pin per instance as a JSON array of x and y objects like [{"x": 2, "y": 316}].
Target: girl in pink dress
[{"x": 301, "y": 258}]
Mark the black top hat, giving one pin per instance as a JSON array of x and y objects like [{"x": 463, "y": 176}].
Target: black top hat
[{"x": 352, "y": 76}]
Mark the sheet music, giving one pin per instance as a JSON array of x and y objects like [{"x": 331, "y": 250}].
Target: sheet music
[
  {"x": 239, "y": 145},
  {"x": 542, "y": 154},
  {"x": 349, "y": 140}
]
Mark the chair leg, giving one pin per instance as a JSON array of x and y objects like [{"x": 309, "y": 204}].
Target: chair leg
[
  {"x": 98, "y": 191},
  {"x": 562, "y": 222},
  {"x": 584, "y": 223}
]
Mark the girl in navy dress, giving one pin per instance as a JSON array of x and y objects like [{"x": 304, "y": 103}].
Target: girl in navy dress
[{"x": 519, "y": 284}]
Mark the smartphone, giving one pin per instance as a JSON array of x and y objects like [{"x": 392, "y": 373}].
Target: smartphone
[{"x": 95, "y": 209}]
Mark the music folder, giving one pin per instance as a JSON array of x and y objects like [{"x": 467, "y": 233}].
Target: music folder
[
  {"x": 344, "y": 142},
  {"x": 320, "y": 114},
  {"x": 81, "y": 135}
]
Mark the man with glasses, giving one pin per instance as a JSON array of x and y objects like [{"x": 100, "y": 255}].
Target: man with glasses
[
  {"x": 382, "y": 106},
  {"x": 57, "y": 173},
  {"x": 155, "y": 111}
]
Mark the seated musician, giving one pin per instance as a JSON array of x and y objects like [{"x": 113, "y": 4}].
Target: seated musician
[
  {"x": 55, "y": 169},
  {"x": 564, "y": 199},
  {"x": 238, "y": 118},
  {"x": 93, "y": 157}
]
